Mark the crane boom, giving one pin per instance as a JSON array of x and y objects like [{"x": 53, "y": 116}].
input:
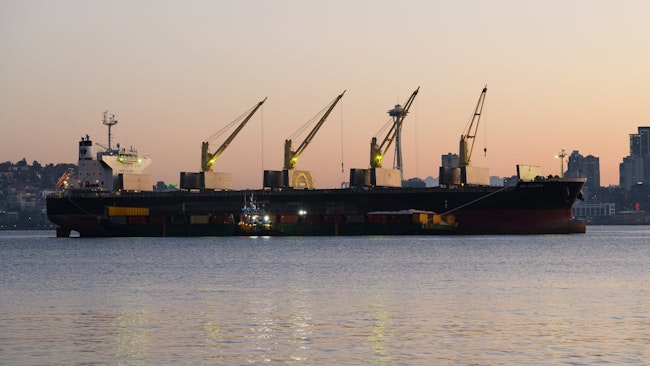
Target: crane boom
[
  {"x": 291, "y": 156},
  {"x": 465, "y": 150},
  {"x": 376, "y": 150},
  {"x": 207, "y": 158}
]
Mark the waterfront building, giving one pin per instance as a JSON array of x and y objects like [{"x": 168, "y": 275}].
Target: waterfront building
[{"x": 586, "y": 211}]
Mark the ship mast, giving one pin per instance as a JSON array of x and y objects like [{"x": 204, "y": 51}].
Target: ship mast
[{"x": 110, "y": 121}]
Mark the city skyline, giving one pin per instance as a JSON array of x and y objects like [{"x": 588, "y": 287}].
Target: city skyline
[{"x": 559, "y": 76}]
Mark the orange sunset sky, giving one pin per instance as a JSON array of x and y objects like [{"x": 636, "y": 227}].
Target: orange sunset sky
[{"x": 568, "y": 75}]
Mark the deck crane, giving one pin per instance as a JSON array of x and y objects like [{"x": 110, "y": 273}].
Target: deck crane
[
  {"x": 208, "y": 158},
  {"x": 465, "y": 150},
  {"x": 290, "y": 155},
  {"x": 398, "y": 113}
]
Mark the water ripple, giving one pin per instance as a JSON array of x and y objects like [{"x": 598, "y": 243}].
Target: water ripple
[{"x": 525, "y": 300}]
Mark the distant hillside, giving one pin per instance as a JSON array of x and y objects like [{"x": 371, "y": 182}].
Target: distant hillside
[
  {"x": 21, "y": 175},
  {"x": 23, "y": 188},
  {"x": 431, "y": 181}
]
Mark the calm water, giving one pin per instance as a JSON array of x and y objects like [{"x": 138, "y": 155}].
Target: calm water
[{"x": 465, "y": 300}]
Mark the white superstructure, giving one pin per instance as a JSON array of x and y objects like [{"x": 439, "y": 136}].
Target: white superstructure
[{"x": 112, "y": 169}]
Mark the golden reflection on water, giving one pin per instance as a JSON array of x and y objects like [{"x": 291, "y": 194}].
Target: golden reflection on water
[
  {"x": 214, "y": 331},
  {"x": 272, "y": 329},
  {"x": 281, "y": 329},
  {"x": 132, "y": 337},
  {"x": 381, "y": 334},
  {"x": 300, "y": 324}
]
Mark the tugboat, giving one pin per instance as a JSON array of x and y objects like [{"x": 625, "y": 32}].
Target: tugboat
[{"x": 254, "y": 221}]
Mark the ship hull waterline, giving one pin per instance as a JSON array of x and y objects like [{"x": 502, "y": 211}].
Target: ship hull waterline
[{"x": 542, "y": 207}]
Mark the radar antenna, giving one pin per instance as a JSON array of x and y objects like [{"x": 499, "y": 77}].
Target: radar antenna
[{"x": 110, "y": 121}]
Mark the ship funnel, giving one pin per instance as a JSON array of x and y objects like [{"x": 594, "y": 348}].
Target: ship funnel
[{"x": 85, "y": 148}]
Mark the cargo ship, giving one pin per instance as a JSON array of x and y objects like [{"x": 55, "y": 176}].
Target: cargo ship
[
  {"x": 374, "y": 202},
  {"x": 536, "y": 207}
]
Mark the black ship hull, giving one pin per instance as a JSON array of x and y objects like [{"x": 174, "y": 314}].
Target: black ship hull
[{"x": 538, "y": 207}]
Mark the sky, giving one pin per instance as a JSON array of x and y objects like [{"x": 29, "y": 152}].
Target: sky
[{"x": 570, "y": 75}]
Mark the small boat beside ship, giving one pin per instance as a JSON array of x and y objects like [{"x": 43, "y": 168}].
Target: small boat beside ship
[{"x": 254, "y": 220}]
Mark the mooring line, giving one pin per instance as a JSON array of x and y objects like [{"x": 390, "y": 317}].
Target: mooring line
[{"x": 476, "y": 200}]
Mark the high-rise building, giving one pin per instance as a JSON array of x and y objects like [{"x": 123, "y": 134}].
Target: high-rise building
[
  {"x": 574, "y": 167},
  {"x": 592, "y": 170},
  {"x": 640, "y": 142},
  {"x": 584, "y": 167},
  {"x": 631, "y": 171},
  {"x": 635, "y": 168}
]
